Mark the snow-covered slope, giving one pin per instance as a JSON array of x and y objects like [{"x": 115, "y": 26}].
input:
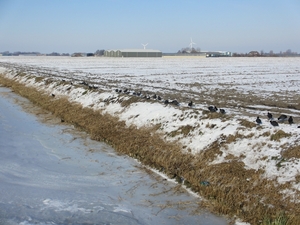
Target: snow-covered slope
[{"x": 244, "y": 87}]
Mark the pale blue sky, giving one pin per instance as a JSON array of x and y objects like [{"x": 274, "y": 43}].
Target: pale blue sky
[{"x": 167, "y": 25}]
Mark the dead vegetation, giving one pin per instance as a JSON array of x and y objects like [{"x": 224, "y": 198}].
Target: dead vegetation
[
  {"x": 278, "y": 135},
  {"x": 129, "y": 101},
  {"x": 228, "y": 187},
  {"x": 247, "y": 124},
  {"x": 183, "y": 130},
  {"x": 292, "y": 152}
]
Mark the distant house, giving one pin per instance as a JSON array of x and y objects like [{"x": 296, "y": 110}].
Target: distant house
[
  {"x": 253, "y": 54},
  {"x": 133, "y": 53},
  {"x": 78, "y": 54}
]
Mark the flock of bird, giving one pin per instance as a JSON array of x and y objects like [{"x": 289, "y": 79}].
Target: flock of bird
[
  {"x": 282, "y": 118},
  {"x": 215, "y": 109},
  {"x": 167, "y": 101}
]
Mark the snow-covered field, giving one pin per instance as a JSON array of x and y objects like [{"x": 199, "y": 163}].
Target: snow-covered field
[{"x": 244, "y": 87}]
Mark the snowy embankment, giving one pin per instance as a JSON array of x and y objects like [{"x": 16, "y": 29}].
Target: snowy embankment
[
  {"x": 92, "y": 83},
  {"x": 257, "y": 151}
]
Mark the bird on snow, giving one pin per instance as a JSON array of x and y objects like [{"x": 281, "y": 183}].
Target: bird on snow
[
  {"x": 222, "y": 111},
  {"x": 190, "y": 104},
  {"x": 282, "y": 118},
  {"x": 175, "y": 102},
  {"x": 291, "y": 120},
  {"x": 274, "y": 123},
  {"x": 258, "y": 120},
  {"x": 212, "y": 108},
  {"x": 270, "y": 116}
]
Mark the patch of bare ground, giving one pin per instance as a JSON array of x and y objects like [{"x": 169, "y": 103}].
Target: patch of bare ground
[{"x": 228, "y": 187}]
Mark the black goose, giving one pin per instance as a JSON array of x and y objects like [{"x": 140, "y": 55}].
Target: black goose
[
  {"x": 274, "y": 123},
  {"x": 282, "y": 118},
  {"x": 212, "y": 108},
  {"x": 270, "y": 116},
  {"x": 222, "y": 111},
  {"x": 258, "y": 120},
  {"x": 291, "y": 120},
  {"x": 175, "y": 102},
  {"x": 190, "y": 104}
]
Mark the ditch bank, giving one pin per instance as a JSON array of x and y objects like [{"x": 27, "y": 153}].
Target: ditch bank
[{"x": 228, "y": 187}]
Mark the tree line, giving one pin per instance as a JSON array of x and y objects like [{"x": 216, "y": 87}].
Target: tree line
[{"x": 287, "y": 53}]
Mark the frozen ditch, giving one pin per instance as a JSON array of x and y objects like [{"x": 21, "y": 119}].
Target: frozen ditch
[{"x": 52, "y": 174}]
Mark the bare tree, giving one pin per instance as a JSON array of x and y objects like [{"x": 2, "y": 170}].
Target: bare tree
[{"x": 289, "y": 52}]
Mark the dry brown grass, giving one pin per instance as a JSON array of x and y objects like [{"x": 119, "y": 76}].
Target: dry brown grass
[
  {"x": 233, "y": 190},
  {"x": 183, "y": 130},
  {"x": 129, "y": 101},
  {"x": 38, "y": 79},
  {"x": 266, "y": 134},
  {"x": 292, "y": 152},
  {"x": 213, "y": 115},
  {"x": 278, "y": 135},
  {"x": 233, "y": 138},
  {"x": 247, "y": 123}
]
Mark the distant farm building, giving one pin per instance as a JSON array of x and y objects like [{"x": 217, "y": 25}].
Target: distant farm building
[
  {"x": 133, "y": 53},
  {"x": 218, "y": 54}
]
